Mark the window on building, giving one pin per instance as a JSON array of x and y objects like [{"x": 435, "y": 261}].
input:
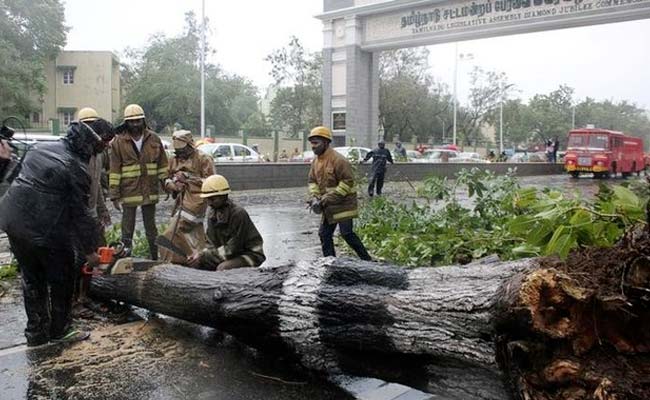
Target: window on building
[
  {"x": 68, "y": 76},
  {"x": 36, "y": 118},
  {"x": 67, "y": 117}
]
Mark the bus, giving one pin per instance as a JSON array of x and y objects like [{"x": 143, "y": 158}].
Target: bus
[{"x": 603, "y": 153}]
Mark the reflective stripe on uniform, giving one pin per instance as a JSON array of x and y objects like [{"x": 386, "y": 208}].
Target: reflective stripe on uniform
[
  {"x": 162, "y": 172},
  {"x": 249, "y": 260},
  {"x": 346, "y": 214},
  {"x": 257, "y": 248},
  {"x": 314, "y": 189},
  {"x": 191, "y": 217},
  {"x": 345, "y": 188},
  {"x": 152, "y": 169},
  {"x": 132, "y": 199},
  {"x": 221, "y": 252},
  {"x": 131, "y": 171},
  {"x": 114, "y": 179}
]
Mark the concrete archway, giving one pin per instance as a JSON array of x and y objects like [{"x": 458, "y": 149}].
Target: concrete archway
[{"x": 355, "y": 31}]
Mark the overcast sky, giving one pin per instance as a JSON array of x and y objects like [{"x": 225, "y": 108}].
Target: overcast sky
[{"x": 604, "y": 62}]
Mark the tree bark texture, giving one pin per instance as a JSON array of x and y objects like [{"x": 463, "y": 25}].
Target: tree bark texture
[{"x": 480, "y": 331}]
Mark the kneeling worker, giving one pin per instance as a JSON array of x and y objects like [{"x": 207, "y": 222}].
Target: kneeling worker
[{"x": 234, "y": 242}]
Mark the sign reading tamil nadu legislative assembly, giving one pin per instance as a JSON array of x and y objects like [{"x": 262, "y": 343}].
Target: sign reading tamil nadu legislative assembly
[{"x": 458, "y": 16}]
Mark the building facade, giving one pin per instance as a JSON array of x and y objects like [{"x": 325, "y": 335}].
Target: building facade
[{"x": 78, "y": 79}]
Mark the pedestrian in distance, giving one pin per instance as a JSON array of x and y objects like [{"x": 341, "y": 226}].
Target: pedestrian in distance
[
  {"x": 233, "y": 239},
  {"x": 333, "y": 194},
  {"x": 380, "y": 157},
  {"x": 556, "y": 147},
  {"x": 138, "y": 167},
  {"x": 400, "y": 152},
  {"x": 45, "y": 213}
]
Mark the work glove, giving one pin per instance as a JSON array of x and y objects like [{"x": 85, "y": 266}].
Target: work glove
[{"x": 315, "y": 206}]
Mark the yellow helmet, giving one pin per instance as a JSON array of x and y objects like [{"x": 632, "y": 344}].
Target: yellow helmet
[
  {"x": 87, "y": 114},
  {"x": 133, "y": 111},
  {"x": 321, "y": 131},
  {"x": 214, "y": 185}
]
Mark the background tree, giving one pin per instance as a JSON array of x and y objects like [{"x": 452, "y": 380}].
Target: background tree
[
  {"x": 488, "y": 89},
  {"x": 164, "y": 78},
  {"x": 31, "y": 33},
  {"x": 411, "y": 103},
  {"x": 623, "y": 116},
  {"x": 551, "y": 114},
  {"x": 297, "y": 106}
]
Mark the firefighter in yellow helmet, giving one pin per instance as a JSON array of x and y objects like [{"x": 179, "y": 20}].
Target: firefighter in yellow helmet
[
  {"x": 97, "y": 167},
  {"x": 234, "y": 241},
  {"x": 187, "y": 171},
  {"x": 138, "y": 167},
  {"x": 332, "y": 191}
]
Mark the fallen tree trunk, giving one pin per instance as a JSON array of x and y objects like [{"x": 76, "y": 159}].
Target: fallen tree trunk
[{"x": 461, "y": 332}]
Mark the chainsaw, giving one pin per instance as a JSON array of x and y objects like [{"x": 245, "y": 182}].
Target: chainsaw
[{"x": 116, "y": 259}]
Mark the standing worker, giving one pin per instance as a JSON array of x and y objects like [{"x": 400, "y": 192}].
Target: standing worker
[
  {"x": 45, "y": 213},
  {"x": 137, "y": 167},
  {"x": 97, "y": 202},
  {"x": 186, "y": 173},
  {"x": 332, "y": 191},
  {"x": 380, "y": 156},
  {"x": 234, "y": 241}
]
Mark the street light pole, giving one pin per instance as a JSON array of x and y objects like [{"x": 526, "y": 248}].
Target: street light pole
[
  {"x": 455, "y": 90},
  {"x": 467, "y": 56},
  {"x": 501, "y": 126},
  {"x": 573, "y": 117},
  {"x": 203, "y": 69}
]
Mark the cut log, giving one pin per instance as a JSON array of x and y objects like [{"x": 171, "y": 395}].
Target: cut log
[{"x": 480, "y": 331}]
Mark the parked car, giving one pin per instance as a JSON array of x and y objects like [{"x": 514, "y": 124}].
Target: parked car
[
  {"x": 230, "y": 152},
  {"x": 470, "y": 157},
  {"x": 413, "y": 155},
  {"x": 353, "y": 153}
]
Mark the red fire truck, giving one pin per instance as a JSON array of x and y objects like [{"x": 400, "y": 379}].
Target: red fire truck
[{"x": 603, "y": 153}]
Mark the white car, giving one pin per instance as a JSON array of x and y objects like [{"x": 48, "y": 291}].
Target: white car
[
  {"x": 437, "y": 156},
  {"x": 467, "y": 157},
  {"x": 353, "y": 153},
  {"x": 306, "y": 156},
  {"x": 230, "y": 152}
]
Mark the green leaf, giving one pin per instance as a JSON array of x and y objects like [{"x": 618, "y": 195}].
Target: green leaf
[
  {"x": 626, "y": 197},
  {"x": 561, "y": 243}
]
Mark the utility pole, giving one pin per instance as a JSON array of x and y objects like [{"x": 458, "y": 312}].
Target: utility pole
[
  {"x": 203, "y": 68},
  {"x": 455, "y": 90},
  {"x": 501, "y": 126}
]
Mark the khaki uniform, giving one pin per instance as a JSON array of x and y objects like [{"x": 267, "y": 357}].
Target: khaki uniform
[
  {"x": 189, "y": 211},
  {"x": 134, "y": 179},
  {"x": 232, "y": 234},
  {"x": 134, "y": 176},
  {"x": 331, "y": 179}
]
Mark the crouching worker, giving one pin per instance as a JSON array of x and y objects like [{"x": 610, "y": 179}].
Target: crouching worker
[{"x": 233, "y": 239}]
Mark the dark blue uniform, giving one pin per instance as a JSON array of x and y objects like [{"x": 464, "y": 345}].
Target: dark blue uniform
[{"x": 380, "y": 156}]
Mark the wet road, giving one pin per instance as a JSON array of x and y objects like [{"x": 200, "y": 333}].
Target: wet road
[{"x": 164, "y": 358}]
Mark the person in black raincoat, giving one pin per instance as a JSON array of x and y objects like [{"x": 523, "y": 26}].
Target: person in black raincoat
[
  {"x": 380, "y": 156},
  {"x": 45, "y": 213}
]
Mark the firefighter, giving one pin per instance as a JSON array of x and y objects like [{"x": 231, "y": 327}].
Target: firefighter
[
  {"x": 234, "y": 241},
  {"x": 96, "y": 164},
  {"x": 186, "y": 173},
  {"x": 380, "y": 156},
  {"x": 44, "y": 213},
  {"x": 332, "y": 191},
  {"x": 138, "y": 164}
]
